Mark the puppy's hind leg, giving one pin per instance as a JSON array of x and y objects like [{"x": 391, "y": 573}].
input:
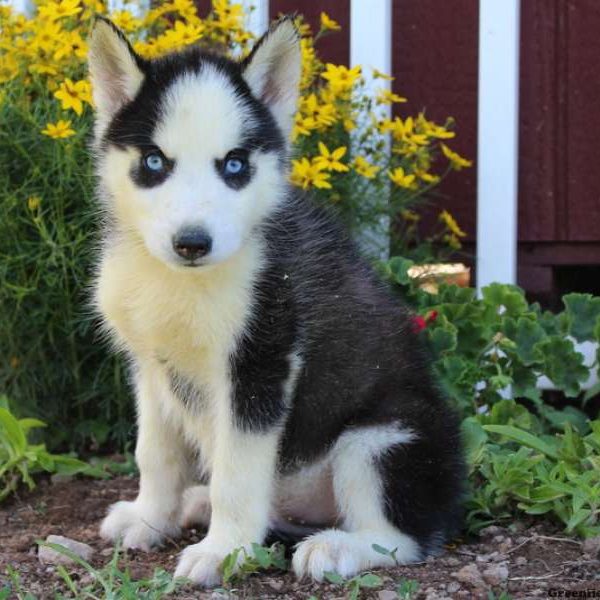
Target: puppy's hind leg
[{"x": 360, "y": 497}]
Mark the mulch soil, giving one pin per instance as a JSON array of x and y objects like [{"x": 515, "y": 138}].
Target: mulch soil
[{"x": 526, "y": 560}]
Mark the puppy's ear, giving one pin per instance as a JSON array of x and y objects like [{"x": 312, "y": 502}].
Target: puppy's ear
[
  {"x": 273, "y": 69},
  {"x": 116, "y": 71}
]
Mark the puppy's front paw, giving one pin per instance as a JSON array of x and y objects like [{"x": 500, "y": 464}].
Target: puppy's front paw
[
  {"x": 202, "y": 563},
  {"x": 137, "y": 528}
]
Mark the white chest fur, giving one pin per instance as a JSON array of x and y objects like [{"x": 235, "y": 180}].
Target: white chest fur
[{"x": 188, "y": 322}]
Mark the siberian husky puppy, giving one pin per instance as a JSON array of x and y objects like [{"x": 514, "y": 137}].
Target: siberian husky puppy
[{"x": 270, "y": 365}]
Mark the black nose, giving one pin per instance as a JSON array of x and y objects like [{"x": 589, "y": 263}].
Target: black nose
[{"x": 192, "y": 243}]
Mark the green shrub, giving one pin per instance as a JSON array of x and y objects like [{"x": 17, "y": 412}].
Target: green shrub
[{"x": 53, "y": 363}]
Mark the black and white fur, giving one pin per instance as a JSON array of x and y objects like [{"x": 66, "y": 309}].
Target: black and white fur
[{"x": 269, "y": 364}]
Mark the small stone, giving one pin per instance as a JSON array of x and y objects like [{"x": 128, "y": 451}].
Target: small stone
[
  {"x": 505, "y": 546},
  {"x": 520, "y": 561},
  {"x": 591, "y": 546},
  {"x": 498, "y": 539},
  {"x": 50, "y": 556},
  {"x": 490, "y": 531},
  {"x": 522, "y": 539},
  {"x": 485, "y": 558},
  {"x": 453, "y": 587},
  {"x": 107, "y": 552},
  {"x": 452, "y": 561},
  {"x": 470, "y": 575},
  {"x": 496, "y": 574},
  {"x": 275, "y": 584},
  {"x": 387, "y": 595}
]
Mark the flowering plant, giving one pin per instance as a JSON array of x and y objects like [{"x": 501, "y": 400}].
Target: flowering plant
[{"x": 346, "y": 151}]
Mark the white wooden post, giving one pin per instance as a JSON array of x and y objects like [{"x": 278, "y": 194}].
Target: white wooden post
[
  {"x": 497, "y": 144},
  {"x": 371, "y": 47},
  {"x": 257, "y": 16},
  {"x": 371, "y": 38}
]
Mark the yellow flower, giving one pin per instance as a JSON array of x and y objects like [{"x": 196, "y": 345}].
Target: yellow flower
[
  {"x": 47, "y": 37},
  {"x": 363, "y": 167},
  {"x": 59, "y": 130},
  {"x": 324, "y": 115},
  {"x": 183, "y": 34},
  {"x": 331, "y": 160},
  {"x": 403, "y": 131},
  {"x": 33, "y": 203},
  {"x": 229, "y": 16},
  {"x": 432, "y": 129},
  {"x": 349, "y": 125},
  {"x": 401, "y": 179},
  {"x": 457, "y": 162},
  {"x": 340, "y": 78},
  {"x": 410, "y": 216},
  {"x": 42, "y": 68},
  {"x": 125, "y": 20},
  {"x": 303, "y": 126},
  {"x": 58, "y": 10},
  {"x": 328, "y": 24},
  {"x": 9, "y": 68},
  {"x": 306, "y": 173},
  {"x": 450, "y": 222},
  {"x": 185, "y": 8},
  {"x": 452, "y": 241},
  {"x": 73, "y": 95},
  {"x": 302, "y": 26},
  {"x": 388, "y": 97},
  {"x": 72, "y": 44},
  {"x": 427, "y": 177},
  {"x": 377, "y": 74}
]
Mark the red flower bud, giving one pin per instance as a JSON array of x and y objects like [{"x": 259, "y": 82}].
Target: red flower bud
[
  {"x": 418, "y": 323},
  {"x": 432, "y": 316}
]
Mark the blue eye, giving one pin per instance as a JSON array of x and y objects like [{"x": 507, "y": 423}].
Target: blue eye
[
  {"x": 234, "y": 166},
  {"x": 154, "y": 161}
]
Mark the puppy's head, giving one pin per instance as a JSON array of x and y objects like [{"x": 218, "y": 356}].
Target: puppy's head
[{"x": 192, "y": 146}]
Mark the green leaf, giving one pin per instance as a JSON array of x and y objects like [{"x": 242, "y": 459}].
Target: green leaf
[
  {"x": 262, "y": 555},
  {"x": 474, "y": 439},
  {"x": 370, "y": 580},
  {"x": 442, "y": 340},
  {"x": 578, "y": 517},
  {"x": 381, "y": 550},
  {"x": 523, "y": 437},
  {"x": 333, "y": 577},
  {"x": 583, "y": 311},
  {"x": 398, "y": 269},
  {"x": 510, "y": 298},
  {"x": 28, "y": 424},
  {"x": 568, "y": 415},
  {"x": 453, "y": 294},
  {"x": 11, "y": 434},
  {"x": 562, "y": 364},
  {"x": 526, "y": 333}
]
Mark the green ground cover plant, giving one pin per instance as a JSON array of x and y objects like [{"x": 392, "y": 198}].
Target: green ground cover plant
[
  {"x": 525, "y": 455},
  {"x": 20, "y": 459}
]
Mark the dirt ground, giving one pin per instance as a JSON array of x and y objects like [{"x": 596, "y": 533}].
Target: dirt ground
[{"x": 525, "y": 561}]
